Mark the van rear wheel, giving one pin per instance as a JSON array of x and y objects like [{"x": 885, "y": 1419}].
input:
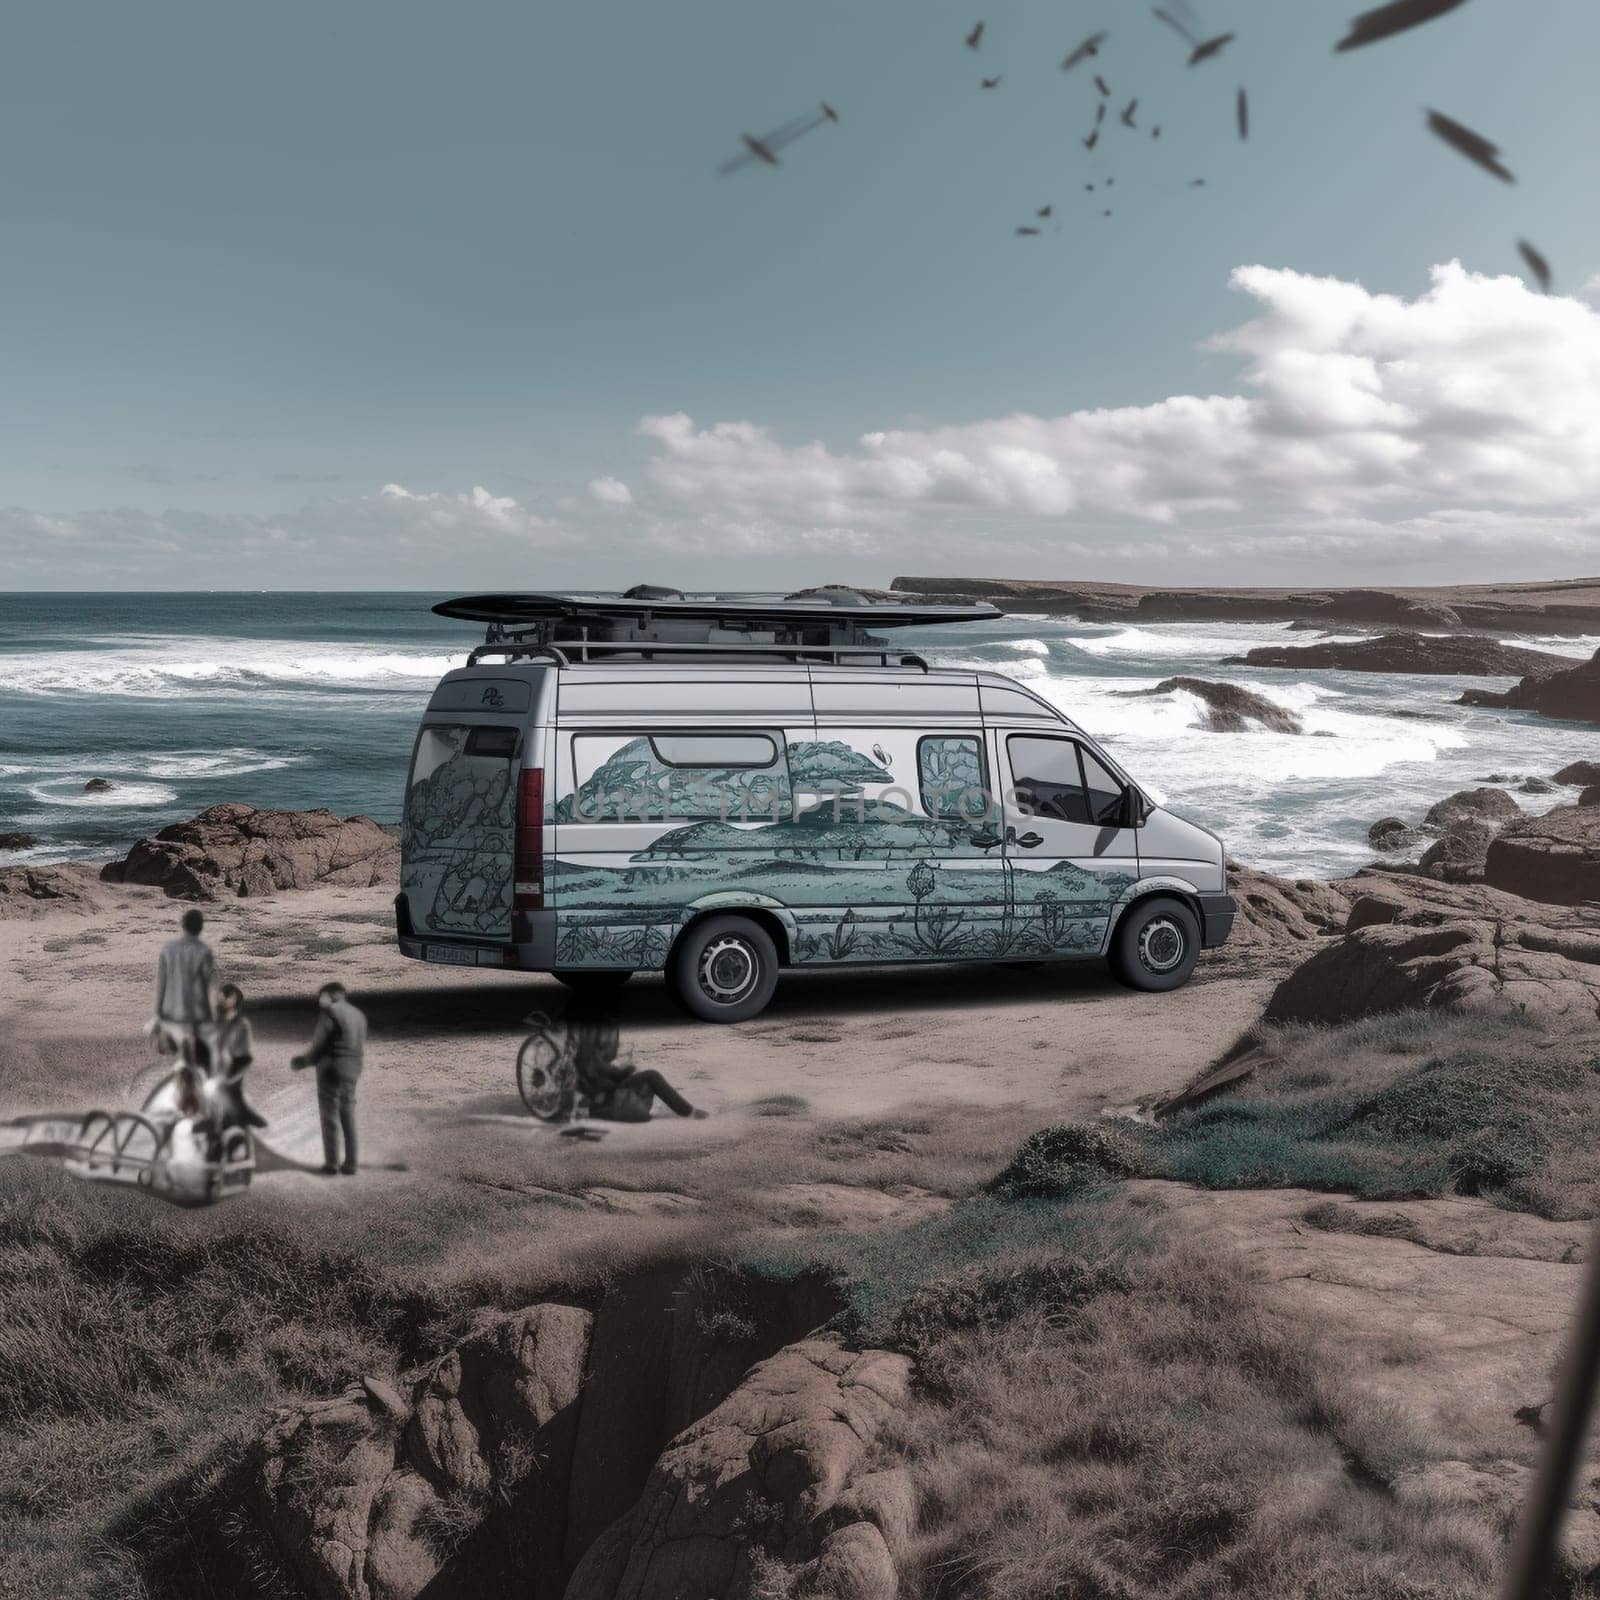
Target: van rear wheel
[
  {"x": 1156, "y": 945},
  {"x": 724, "y": 969}
]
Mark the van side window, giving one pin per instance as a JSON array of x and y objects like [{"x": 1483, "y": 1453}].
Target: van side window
[
  {"x": 1049, "y": 781},
  {"x": 950, "y": 775},
  {"x": 1105, "y": 792},
  {"x": 714, "y": 749},
  {"x": 678, "y": 777}
]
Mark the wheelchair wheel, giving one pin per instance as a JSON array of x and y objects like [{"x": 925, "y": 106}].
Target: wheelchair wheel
[{"x": 545, "y": 1078}]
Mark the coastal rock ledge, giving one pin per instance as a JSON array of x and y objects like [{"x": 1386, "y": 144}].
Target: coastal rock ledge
[{"x": 241, "y": 850}]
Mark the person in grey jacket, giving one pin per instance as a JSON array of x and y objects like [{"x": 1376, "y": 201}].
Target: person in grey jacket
[
  {"x": 337, "y": 1049},
  {"x": 184, "y": 975}
]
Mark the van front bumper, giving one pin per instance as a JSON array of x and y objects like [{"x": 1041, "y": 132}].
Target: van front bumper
[{"x": 1217, "y": 912}]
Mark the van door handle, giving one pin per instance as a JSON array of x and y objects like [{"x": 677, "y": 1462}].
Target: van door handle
[{"x": 1028, "y": 841}]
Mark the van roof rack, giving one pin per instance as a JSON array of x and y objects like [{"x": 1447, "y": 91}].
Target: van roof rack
[{"x": 830, "y": 622}]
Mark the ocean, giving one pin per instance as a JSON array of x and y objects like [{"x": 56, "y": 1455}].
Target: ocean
[{"x": 297, "y": 700}]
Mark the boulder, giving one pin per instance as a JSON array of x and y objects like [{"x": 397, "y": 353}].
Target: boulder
[
  {"x": 27, "y": 892},
  {"x": 98, "y": 786},
  {"x": 1458, "y": 853},
  {"x": 1282, "y": 914},
  {"x": 772, "y": 1478},
  {"x": 1576, "y": 772},
  {"x": 17, "y": 841},
  {"x": 1536, "y": 786},
  {"x": 1392, "y": 834},
  {"x": 1590, "y": 796},
  {"x": 1463, "y": 654},
  {"x": 1573, "y": 694},
  {"x": 1554, "y": 858},
  {"x": 1413, "y": 942},
  {"x": 1488, "y": 805},
  {"x": 240, "y": 850},
  {"x": 374, "y": 1494},
  {"x": 1230, "y": 708}
]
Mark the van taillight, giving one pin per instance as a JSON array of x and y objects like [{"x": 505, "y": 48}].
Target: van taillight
[{"x": 529, "y": 893}]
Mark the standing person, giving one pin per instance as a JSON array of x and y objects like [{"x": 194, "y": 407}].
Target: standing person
[
  {"x": 184, "y": 975},
  {"x": 336, "y": 1051},
  {"x": 232, "y": 1054}
]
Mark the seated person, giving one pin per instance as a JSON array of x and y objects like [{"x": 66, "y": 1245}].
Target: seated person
[{"x": 615, "y": 1090}]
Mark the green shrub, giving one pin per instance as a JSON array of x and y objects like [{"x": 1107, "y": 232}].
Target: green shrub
[{"x": 1064, "y": 1161}]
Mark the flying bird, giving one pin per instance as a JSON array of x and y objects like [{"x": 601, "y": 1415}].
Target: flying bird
[
  {"x": 1536, "y": 264},
  {"x": 1089, "y": 47},
  {"x": 1101, "y": 84},
  {"x": 1044, "y": 211},
  {"x": 1110, "y": 182},
  {"x": 1197, "y": 183},
  {"x": 1371, "y": 26},
  {"x": 1472, "y": 145},
  {"x": 991, "y": 83},
  {"x": 1176, "y": 26},
  {"x": 1089, "y": 187},
  {"x": 1092, "y": 140},
  {"x": 1099, "y": 112},
  {"x": 974, "y": 37},
  {"x": 765, "y": 149},
  {"x": 1028, "y": 233},
  {"x": 1210, "y": 47},
  {"x": 1155, "y": 132},
  {"x": 1108, "y": 213},
  {"x": 1128, "y": 111},
  {"x": 1243, "y": 108}
]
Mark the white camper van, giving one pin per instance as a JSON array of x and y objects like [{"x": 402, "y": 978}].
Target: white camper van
[{"x": 718, "y": 787}]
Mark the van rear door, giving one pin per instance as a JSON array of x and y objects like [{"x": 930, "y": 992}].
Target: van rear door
[{"x": 457, "y": 852}]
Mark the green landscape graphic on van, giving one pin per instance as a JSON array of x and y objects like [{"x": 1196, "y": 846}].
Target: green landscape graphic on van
[{"x": 862, "y": 877}]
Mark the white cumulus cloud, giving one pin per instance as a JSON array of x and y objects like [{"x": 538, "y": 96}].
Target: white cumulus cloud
[
  {"x": 610, "y": 492},
  {"x": 1475, "y": 397}
]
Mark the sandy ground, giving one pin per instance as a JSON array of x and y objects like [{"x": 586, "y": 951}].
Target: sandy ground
[{"x": 1065, "y": 1041}]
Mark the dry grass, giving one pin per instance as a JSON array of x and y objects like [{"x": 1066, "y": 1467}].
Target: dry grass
[{"x": 1172, "y": 1436}]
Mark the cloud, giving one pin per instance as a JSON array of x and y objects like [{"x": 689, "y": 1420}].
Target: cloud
[
  {"x": 1477, "y": 396},
  {"x": 610, "y": 492},
  {"x": 398, "y": 535}
]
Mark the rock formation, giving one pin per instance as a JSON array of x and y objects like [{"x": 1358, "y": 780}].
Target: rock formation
[
  {"x": 1576, "y": 772},
  {"x": 27, "y": 892},
  {"x": 1411, "y": 941},
  {"x": 240, "y": 850},
  {"x": 1554, "y": 858},
  {"x": 98, "y": 786},
  {"x": 17, "y": 841},
  {"x": 689, "y": 1437},
  {"x": 1573, "y": 694},
  {"x": 1485, "y": 804},
  {"x": 1557, "y": 605},
  {"x": 1393, "y": 834},
  {"x": 1452, "y": 654},
  {"x": 1280, "y": 914},
  {"x": 1230, "y": 708}
]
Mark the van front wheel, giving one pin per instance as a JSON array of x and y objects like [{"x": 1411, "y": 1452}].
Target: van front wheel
[
  {"x": 725, "y": 969},
  {"x": 1156, "y": 945}
]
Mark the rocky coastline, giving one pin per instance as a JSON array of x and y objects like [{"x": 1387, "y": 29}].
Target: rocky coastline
[{"x": 1558, "y": 606}]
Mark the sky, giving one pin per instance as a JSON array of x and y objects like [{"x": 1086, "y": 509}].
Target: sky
[{"x": 406, "y": 293}]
